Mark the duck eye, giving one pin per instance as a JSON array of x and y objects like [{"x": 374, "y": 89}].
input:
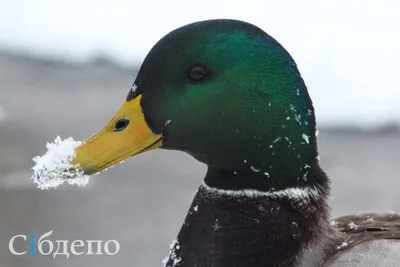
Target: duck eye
[
  {"x": 120, "y": 125},
  {"x": 197, "y": 73}
]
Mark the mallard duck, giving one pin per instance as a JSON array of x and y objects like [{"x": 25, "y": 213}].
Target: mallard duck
[{"x": 230, "y": 95}]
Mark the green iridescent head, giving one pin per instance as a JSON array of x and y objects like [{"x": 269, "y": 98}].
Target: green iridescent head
[{"x": 230, "y": 95}]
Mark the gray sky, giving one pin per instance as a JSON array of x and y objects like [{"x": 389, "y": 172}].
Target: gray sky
[{"x": 348, "y": 51}]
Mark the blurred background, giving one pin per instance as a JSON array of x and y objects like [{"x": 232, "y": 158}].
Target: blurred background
[{"x": 66, "y": 67}]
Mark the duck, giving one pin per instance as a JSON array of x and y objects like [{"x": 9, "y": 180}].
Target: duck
[{"x": 230, "y": 95}]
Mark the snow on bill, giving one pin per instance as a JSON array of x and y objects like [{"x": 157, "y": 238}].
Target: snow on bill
[{"x": 55, "y": 167}]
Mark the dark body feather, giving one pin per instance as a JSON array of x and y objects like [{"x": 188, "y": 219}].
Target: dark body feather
[{"x": 243, "y": 231}]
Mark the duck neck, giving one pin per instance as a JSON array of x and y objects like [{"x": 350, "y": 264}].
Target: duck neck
[
  {"x": 281, "y": 176},
  {"x": 243, "y": 228},
  {"x": 277, "y": 163}
]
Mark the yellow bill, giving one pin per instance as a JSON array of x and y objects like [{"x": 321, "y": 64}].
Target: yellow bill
[{"x": 126, "y": 135}]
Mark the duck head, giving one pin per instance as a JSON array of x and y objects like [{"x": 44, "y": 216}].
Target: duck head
[{"x": 228, "y": 94}]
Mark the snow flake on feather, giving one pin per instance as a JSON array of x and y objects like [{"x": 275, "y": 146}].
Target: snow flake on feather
[
  {"x": 277, "y": 140},
  {"x": 216, "y": 226},
  {"x": 369, "y": 220},
  {"x": 254, "y": 169},
  {"x": 133, "y": 88},
  {"x": 261, "y": 208},
  {"x": 306, "y": 138},
  {"x": 288, "y": 140},
  {"x": 305, "y": 177},
  {"x": 173, "y": 260},
  {"x": 297, "y": 117},
  {"x": 353, "y": 226},
  {"x": 344, "y": 244}
]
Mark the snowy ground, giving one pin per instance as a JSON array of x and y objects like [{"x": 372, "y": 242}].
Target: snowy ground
[{"x": 141, "y": 203}]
